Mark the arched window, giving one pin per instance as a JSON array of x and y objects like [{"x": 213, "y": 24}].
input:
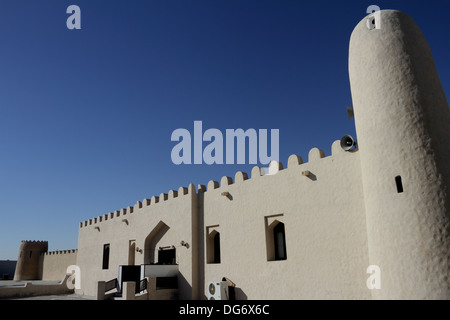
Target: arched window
[
  {"x": 151, "y": 242},
  {"x": 279, "y": 238},
  {"x": 213, "y": 245},
  {"x": 275, "y": 238},
  {"x": 217, "y": 248},
  {"x": 131, "y": 252}
]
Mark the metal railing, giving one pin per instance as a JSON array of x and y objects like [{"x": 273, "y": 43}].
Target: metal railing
[
  {"x": 114, "y": 284},
  {"x": 141, "y": 285},
  {"x": 111, "y": 284}
]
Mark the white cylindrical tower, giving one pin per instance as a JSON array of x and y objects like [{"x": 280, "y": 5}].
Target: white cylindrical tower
[{"x": 403, "y": 126}]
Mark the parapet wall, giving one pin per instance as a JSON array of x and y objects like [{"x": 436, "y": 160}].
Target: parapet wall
[
  {"x": 27, "y": 245},
  {"x": 294, "y": 162},
  {"x": 133, "y": 235},
  {"x": 275, "y": 166},
  {"x": 32, "y": 290},
  {"x": 55, "y": 263},
  {"x": 125, "y": 212},
  {"x": 240, "y": 206},
  {"x": 36, "y": 263},
  {"x": 321, "y": 208}
]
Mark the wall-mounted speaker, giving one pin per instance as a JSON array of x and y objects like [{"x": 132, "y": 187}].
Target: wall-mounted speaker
[{"x": 347, "y": 143}]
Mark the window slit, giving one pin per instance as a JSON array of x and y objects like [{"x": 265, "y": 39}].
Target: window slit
[{"x": 398, "y": 182}]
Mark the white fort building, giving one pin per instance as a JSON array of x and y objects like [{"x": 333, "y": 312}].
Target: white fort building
[{"x": 315, "y": 228}]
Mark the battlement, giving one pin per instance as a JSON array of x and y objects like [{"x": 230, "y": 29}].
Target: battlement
[
  {"x": 294, "y": 161},
  {"x": 33, "y": 245},
  {"x": 50, "y": 253},
  {"x": 36, "y": 242},
  {"x": 257, "y": 172},
  {"x": 154, "y": 200}
]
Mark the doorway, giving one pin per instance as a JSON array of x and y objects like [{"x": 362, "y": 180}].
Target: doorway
[{"x": 167, "y": 255}]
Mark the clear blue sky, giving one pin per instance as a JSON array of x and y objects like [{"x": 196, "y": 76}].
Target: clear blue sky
[{"x": 86, "y": 115}]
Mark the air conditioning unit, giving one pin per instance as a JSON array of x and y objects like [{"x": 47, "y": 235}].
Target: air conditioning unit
[{"x": 218, "y": 290}]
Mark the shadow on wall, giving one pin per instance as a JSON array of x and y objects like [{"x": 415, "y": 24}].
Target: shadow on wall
[
  {"x": 239, "y": 294},
  {"x": 152, "y": 239},
  {"x": 184, "y": 288},
  {"x": 234, "y": 292},
  {"x": 312, "y": 176}
]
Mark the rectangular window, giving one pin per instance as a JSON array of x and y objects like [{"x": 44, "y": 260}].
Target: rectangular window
[
  {"x": 398, "y": 182},
  {"x": 279, "y": 238},
  {"x": 105, "y": 265},
  {"x": 131, "y": 252}
]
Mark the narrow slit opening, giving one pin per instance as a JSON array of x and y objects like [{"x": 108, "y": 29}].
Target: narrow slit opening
[{"x": 398, "y": 182}]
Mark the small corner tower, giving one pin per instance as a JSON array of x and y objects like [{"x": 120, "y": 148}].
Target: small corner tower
[
  {"x": 402, "y": 121},
  {"x": 29, "y": 262}
]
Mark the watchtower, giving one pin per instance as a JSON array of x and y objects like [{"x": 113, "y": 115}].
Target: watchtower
[
  {"x": 29, "y": 262},
  {"x": 402, "y": 122}
]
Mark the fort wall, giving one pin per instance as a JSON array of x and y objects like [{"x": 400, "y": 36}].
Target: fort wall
[
  {"x": 321, "y": 205},
  {"x": 55, "y": 263},
  {"x": 308, "y": 230},
  {"x": 134, "y": 236}
]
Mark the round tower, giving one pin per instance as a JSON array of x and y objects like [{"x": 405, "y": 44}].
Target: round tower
[
  {"x": 29, "y": 262},
  {"x": 402, "y": 122}
]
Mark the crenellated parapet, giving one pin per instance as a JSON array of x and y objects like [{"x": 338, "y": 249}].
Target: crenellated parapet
[
  {"x": 59, "y": 252},
  {"x": 153, "y": 201},
  {"x": 26, "y": 245},
  {"x": 294, "y": 161}
]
